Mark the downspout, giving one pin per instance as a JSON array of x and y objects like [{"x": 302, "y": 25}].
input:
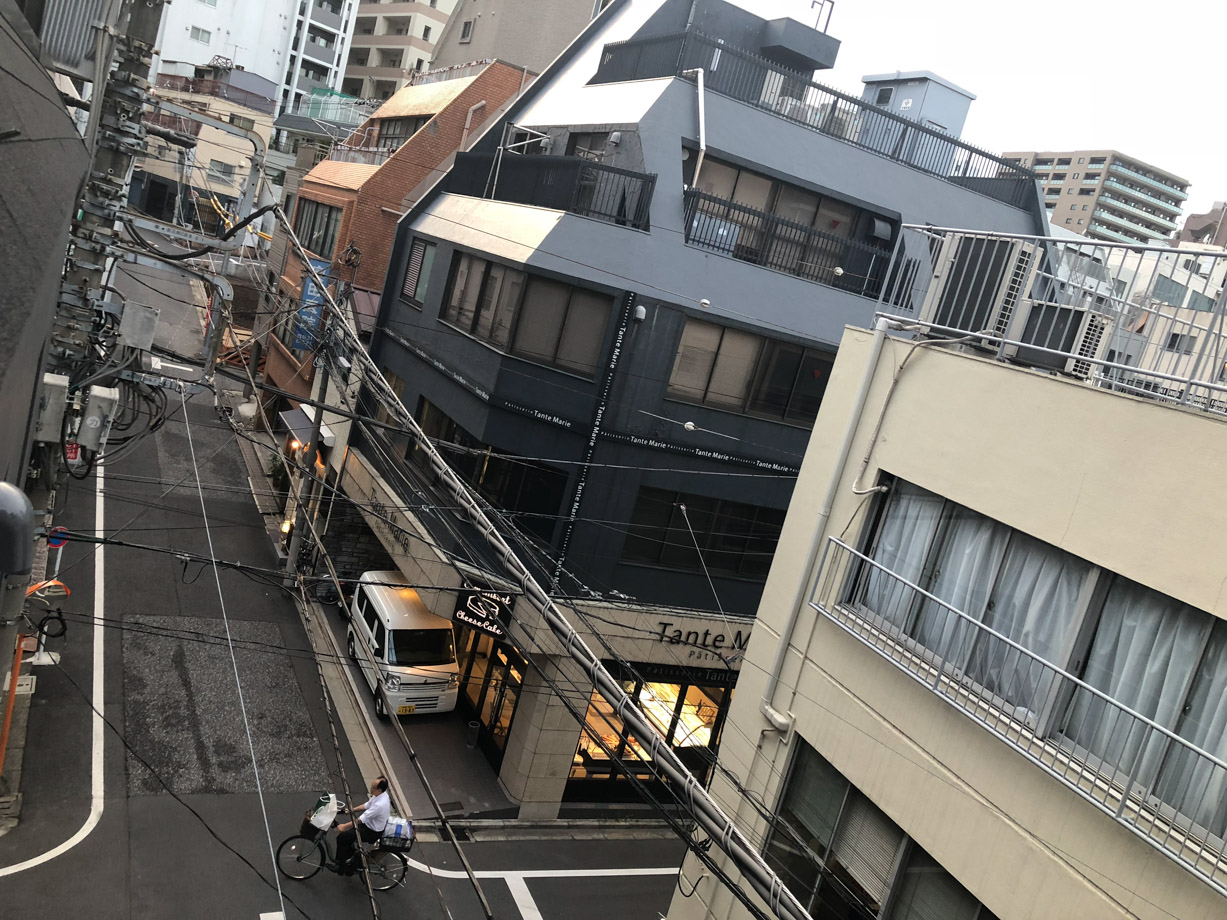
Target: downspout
[
  {"x": 698, "y": 164},
  {"x": 784, "y": 721},
  {"x": 468, "y": 121}
]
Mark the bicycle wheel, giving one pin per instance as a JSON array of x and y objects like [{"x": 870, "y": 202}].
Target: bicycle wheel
[
  {"x": 385, "y": 868},
  {"x": 300, "y": 857}
]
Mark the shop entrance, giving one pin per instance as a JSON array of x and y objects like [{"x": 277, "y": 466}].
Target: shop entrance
[{"x": 491, "y": 675}]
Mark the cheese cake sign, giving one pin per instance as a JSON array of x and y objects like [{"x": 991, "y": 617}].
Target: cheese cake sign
[{"x": 487, "y": 611}]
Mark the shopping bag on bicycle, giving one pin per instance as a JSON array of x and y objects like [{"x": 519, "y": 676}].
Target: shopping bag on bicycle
[
  {"x": 398, "y": 835},
  {"x": 320, "y": 816}
]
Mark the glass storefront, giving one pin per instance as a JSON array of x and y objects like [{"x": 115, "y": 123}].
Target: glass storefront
[
  {"x": 491, "y": 675},
  {"x": 687, "y": 706}
]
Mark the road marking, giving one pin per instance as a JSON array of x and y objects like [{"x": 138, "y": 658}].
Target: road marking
[
  {"x": 97, "y": 778},
  {"x": 524, "y": 899},
  {"x": 540, "y": 873}
]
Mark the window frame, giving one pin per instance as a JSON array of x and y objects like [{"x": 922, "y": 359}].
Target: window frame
[
  {"x": 419, "y": 269},
  {"x": 315, "y": 217}
]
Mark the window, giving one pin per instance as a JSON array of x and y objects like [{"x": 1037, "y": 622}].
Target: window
[
  {"x": 466, "y": 30},
  {"x": 884, "y": 95},
  {"x": 530, "y": 316},
  {"x": 732, "y": 538},
  {"x": 1080, "y": 220},
  {"x": 212, "y": 3},
  {"x": 397, "y": 385},
  {"x": 1058, "y": 177},
  {"x": 417, "y": 275},
  {"x": 1073, "y": 207},
  {"x": 1086, "y": 191},
  {"x": 730, "y": 369},
  {"x": 198, "y": 34},
  {"x": 839, "y": 854},
  {"x": 1075, "y": 175},
  {"x": 220, "y": 171},
  {"x": 1148, "y": 653},
  {"x": 1181, "y": 343},
  {"x": 1063, "y": 161},
  {"x": 316, "y": 225},
  {"x": 1081, "y": 160},
  {"x": 425, "y": 33},
  {"x": 1071, "y": 191},
  {"x": 242, "y": 121},
  {"x": 419, "y": 65},
  {"x": 395, "y": 131},
  {"x": 1069, "y": 220}
]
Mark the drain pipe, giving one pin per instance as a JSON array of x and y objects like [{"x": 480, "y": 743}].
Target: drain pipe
[
  {"x": 785, "y": 721},
  {"x": 698, "y": 164},
  {"x": 468, "y": 122}
]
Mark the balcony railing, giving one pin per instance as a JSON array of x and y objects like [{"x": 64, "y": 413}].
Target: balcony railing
[
  {"x": 1124, "y": 318},
  {"x": 573, "y": 184},
  {"x": 218, "y": 89},
  {"x": 368, "y": 156},
  {"x": 1150, "y": 780},
  {"x": 793, "y": 95},
  {"x": 1142, "y": 194},
  {"x": 762, "y": 238},
  {"x": 1159, "y": 184},
  {"x": 1159, "y": 219}
]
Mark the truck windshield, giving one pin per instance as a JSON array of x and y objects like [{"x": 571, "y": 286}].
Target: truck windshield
[{"x": 415, "y": 647}]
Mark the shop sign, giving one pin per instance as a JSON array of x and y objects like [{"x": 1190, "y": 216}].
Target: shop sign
[
  {"x": 705, "y": 644},
  {"x": 312, "y": 309},
  {"x": 487, "y": 611}
]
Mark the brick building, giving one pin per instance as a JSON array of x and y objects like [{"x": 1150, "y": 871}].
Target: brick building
[{"x": 353, "y": 199}]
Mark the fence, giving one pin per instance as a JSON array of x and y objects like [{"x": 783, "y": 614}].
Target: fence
[
  {"x": 573, "y": 184},
  {"x": 795, "y": 96},
  {"x": 756, "y": 236},
  {"x": 219, "y": 89},
  {"x": 1147, "y": 778}
]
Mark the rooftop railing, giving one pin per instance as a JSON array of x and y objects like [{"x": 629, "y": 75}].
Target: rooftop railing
[
  {"x": 218, "y": 89},
  {"x": 1147, "y": 778},
  {"x": 573, "y": 184},
  {"x": 335, "y": 110},
  {"x": 795, "y": 96},
  {"x": 1130, "y": 318},
  {"x": 368, "y": 156}
]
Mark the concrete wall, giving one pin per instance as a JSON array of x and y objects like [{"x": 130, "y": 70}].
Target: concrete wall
[
  {"x": 530, "y": 33},
  {"x": 1128, "y": 484}
]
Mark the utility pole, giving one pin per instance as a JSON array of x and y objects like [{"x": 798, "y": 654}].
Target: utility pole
[
  {"x": 16, "y": 563},
  {"x": 306, "y": 486}
]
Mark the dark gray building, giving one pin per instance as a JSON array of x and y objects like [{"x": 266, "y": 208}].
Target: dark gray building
[{"x": 618, "y": 313}]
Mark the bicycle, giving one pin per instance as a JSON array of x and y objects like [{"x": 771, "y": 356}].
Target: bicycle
[{"x": 302, "y": 855}]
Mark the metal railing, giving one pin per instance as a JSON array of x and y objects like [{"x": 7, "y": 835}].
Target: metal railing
[
  {"x": 368, "y": 156},
  {"x": 795, "y": 96},
  {"x": 336, "y": 110},
  {"x": 1127, "y": 317},
  {"x": 1146, "y": 777},
  {"x": 1159, "y": 184},
  {"x": 762, "y": 238},
  {"x": 218, "y": 89},
  {"x": 573, "y": 184}
]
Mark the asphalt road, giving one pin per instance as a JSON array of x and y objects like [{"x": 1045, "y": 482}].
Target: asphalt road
[{"x": 156, "y": 813}]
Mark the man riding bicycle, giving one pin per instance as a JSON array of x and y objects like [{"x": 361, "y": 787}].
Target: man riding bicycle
[{"x": 370, "y": 825}]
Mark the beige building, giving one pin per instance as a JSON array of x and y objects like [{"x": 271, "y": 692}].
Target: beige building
[
  {"x": 1106, "y": 195},
  {"x": 1002, "y": 688},
  {"x": 530, "y": 33},
  {"x": 391, "y": 42}
]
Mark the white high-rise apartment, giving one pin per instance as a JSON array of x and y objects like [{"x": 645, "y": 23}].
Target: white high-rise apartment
[
  {"x": 300, "y": 45},
  {"x": 393, "y": 40}
]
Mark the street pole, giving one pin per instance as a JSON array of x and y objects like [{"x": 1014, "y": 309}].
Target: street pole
[
  {"x": 306, "y": 485},
  {"x": 16, "y": 564}
]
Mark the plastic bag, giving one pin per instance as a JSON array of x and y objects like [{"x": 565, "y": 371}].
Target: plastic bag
[{"x": 324, "y": 811}]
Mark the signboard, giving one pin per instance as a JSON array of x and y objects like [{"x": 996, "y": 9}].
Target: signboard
[
  {"x": 312, "y": 309},
  {"x": 486, "y": 611}
]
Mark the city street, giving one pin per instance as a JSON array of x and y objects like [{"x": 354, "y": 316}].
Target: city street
[{"x": 156, "y": 812}]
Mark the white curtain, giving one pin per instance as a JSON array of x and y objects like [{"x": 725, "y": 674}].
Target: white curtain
[
  {"x": 1194, "y": 786},
  {"x": 965, "y": 570},
  {"x": 906, "y": 532},
  {"x": 1035, "y": 604},
  {"x": 1142, "y": 656}
]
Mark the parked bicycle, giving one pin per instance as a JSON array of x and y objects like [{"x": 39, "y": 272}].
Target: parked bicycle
[{"x": 303, "y": 855}]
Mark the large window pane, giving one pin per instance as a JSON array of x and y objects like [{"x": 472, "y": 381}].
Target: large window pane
[
  {"x": 733, "y": 370},
  {"x": 808, "y": 814},
  {"x": 466, "y": 286},
  {"x": 779, "y": 376},
  {"x": 649, "y": 525},
  {"x": 541, "y": 318},
  {"x": 1142, "y": 656},
  {"x": 583, "y": 334},
  {"x": 685, "y": 528},
  {"x": 864, "y": 850},
  {"x": 811, "y": 385},
  {"x": 926, "y": 891},
  {"x": 695, "y": 358},
  {"x": 903, "y": 541}
]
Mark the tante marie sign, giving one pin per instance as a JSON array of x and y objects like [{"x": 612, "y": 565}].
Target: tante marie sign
[{"x": 487, "y": 611}]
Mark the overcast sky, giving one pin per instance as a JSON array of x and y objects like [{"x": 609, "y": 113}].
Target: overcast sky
[{"x": 1147, "y": 79}]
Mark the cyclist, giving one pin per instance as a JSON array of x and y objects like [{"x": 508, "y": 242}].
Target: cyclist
[{"x": 370, "y": 824}]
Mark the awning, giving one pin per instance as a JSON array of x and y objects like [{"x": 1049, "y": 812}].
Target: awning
[{"x": 298, "y": 423}]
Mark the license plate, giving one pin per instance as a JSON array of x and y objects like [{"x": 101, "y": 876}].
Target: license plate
[{"x": 407, "y": 710}]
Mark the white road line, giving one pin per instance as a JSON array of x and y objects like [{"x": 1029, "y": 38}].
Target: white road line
[
  {"x": 97, "y": 778},
  {"x": 524, "y": 899},
  {"x": 540, "y": 873}
]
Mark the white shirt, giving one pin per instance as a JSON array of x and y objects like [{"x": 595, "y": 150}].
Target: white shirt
[{"x": 376, "y": 812}]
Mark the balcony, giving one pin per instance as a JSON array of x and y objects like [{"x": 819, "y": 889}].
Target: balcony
[
  {"x": 388, "y": 40},
  {"x": 1150, "y": 780},
  {"x": 1128, "y": 223},
  {"x": 367, "y": 156},
  {"x": 1172, "y": 190},
  {"x": 1157, "y": 219},
  {"x": 1143, "y": 195},
  {"x": 1105, "y": 230},
  {"x": 217, "y": 89},
  {"x": 764, "y": 239},
  {"x": 794, "y": 96},
  {"x": 572, "y": 184}
]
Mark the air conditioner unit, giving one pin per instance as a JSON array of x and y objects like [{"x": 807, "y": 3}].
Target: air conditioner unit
[
  {"x": 978, "y": 283},
  {"x": 1060, "y": 337}
]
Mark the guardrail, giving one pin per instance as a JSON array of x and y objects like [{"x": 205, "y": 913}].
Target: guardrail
[
  {"x": 573, "y": 184},
  {"x": 1147, "y": 778},
  {"x": 793, "y": 95},
  {"x": 218, "y": 89}
]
